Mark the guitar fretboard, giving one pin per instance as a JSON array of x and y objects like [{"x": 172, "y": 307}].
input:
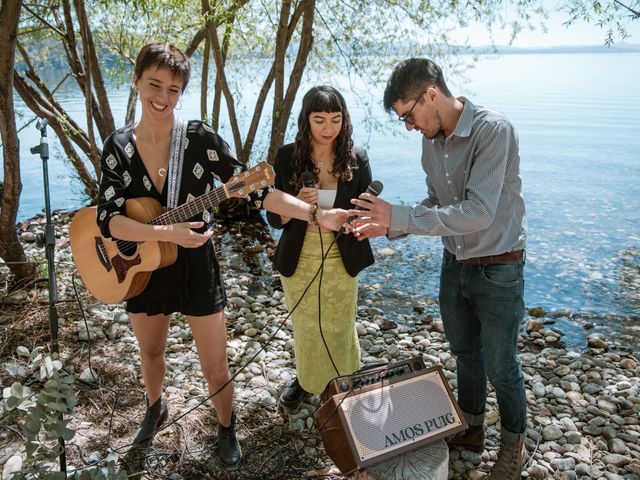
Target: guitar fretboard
[{"x": 190, "y": 209}]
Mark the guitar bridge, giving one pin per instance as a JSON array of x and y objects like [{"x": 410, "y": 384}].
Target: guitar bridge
[{"x": 102, "y": 255}]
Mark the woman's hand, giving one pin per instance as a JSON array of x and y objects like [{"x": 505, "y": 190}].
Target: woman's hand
[
  {"x": 183, "y": 234},
  {"x": 332, "y": 219},
  {"x": 308, "y": 195}
]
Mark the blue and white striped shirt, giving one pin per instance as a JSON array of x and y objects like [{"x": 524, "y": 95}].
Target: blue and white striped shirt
[{"x": 474, "y": 188}]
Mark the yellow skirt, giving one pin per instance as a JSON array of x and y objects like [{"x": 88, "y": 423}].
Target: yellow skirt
[{"x": 339, "y": 296}]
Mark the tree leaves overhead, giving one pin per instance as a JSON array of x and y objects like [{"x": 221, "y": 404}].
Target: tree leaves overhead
[{"x": 612, "y": 15}]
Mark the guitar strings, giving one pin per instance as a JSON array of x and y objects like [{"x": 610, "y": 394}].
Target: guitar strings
[{"x": 172, "y": 216}]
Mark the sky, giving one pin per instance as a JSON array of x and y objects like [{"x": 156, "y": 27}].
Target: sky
[{"x": 579, "y": 33}]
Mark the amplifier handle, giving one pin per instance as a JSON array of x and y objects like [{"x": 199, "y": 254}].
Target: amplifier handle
[{"x": 371, "y": 367}]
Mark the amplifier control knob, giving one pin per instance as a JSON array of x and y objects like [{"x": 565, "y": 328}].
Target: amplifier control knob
[{"x": 344, "y": 387}]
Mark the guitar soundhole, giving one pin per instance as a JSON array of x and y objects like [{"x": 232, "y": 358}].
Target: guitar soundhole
[{"x": 127, "y": 249}]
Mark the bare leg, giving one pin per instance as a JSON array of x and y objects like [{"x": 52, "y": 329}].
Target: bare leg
[
  {"x": 210, "y": 335},
  {"x": 151, "y": 332}
]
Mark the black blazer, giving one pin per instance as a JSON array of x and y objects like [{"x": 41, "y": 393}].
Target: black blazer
[{"x": 356, "y": 255}]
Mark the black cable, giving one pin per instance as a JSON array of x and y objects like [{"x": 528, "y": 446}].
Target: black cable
[
  {"x": 175, "y": 420},
  {"x": 100, "y": 385},
  {"x": 153, "y": 454},
  {"x": 322, "y": 258}
]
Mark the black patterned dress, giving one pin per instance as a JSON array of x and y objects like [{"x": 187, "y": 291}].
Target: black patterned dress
[{"x": 193, "y": 284}]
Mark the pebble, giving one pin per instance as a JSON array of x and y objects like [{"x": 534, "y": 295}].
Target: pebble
[
  {"x": 11, "y": 466},
  {"x": 583, "y": 404}
]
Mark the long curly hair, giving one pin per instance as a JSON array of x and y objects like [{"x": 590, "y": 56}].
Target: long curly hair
[{"x": 323, "y": 98}]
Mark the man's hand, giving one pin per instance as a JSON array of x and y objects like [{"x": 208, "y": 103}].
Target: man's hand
[
  {"x": 373, "y": 209},
  {"x": 362, "y": 230}
]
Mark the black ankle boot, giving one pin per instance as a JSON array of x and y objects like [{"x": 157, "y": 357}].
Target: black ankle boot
[
  {"x": 293, "y": 396},
  {"x": 154, "y": 417},
  {"x": 134, "y": 460},
  {"x": 228, "y": 446}
]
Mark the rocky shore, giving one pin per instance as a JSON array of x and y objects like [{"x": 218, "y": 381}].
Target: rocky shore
[{"x": 583, "y": 405}]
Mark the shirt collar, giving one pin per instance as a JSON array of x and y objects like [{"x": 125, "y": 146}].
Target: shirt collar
[{"x": 465, "y": 122}]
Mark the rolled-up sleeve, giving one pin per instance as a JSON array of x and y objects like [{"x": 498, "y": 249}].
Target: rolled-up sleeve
[{"x": 113, "y": 183}]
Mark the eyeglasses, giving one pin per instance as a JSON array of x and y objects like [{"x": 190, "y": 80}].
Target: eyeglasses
[{"x": 406, "y": 118}]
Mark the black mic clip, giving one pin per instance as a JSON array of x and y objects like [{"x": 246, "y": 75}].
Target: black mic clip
[{"x": 43, "y": 148}]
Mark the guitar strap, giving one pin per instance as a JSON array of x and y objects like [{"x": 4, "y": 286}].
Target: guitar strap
[{"x": 176, "y": 161}]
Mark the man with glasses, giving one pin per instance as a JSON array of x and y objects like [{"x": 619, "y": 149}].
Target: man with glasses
[{"x": 474, "y": 202}]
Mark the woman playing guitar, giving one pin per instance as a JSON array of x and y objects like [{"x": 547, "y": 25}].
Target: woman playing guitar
[{"x": 173, "y": 161}]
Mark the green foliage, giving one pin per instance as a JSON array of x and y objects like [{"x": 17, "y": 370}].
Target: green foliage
[
  {"x": 122, "y": 27},
  {"x": 612, "y": 15},
  {"x": 41, "y": 414}
]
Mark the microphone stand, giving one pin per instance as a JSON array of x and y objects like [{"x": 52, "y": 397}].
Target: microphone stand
[{"x": 49, "y": 242}]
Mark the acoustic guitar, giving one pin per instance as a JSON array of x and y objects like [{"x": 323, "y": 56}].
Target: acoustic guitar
[{"x": 116, "y": 270}]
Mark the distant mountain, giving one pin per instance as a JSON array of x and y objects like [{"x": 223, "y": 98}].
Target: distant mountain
[{"x": 506, "y": 50}]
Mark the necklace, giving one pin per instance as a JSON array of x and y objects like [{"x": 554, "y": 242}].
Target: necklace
[
  {"x": 159, "y": 158},
  {"x": 320, "y": 163}
]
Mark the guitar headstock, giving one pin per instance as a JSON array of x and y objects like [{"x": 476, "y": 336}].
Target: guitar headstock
[{"x": 255, "y": 178}]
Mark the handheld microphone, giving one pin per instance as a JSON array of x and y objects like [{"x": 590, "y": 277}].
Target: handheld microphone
[
  {"x": 374, "y": 188},
  {"x": 308, "y": 180}
]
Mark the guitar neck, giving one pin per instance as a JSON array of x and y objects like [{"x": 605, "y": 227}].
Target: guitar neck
[{"x": 192, "y": 208}]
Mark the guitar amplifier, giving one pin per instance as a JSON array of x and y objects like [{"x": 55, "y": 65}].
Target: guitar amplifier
[{"x": 381, "y": 412}]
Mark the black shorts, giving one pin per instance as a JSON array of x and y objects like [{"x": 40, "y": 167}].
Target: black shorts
[{"x": 192, "y": 285}]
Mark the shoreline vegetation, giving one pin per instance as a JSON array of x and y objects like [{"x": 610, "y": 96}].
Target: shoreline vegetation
[{"x": 583, "y": 405}]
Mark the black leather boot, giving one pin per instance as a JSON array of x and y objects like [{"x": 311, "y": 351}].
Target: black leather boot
[
  {"x": 293, "y": 396},
  {"x": 134, "y": 460},
  {"x": 154, "y": 417},
  {"x": 228, "y": 446}
]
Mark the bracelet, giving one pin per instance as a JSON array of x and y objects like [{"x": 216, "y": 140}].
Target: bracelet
[{"x": 313, "y": 215}]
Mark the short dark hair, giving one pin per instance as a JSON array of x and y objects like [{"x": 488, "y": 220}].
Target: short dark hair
[
  {"x": 165, "y": 55},
  {"x": 410, "y": 78},
  {"x": 323, "y": 98}
]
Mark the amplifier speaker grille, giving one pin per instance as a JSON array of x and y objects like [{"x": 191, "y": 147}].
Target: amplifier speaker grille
[{"x": 366, "y": 425}]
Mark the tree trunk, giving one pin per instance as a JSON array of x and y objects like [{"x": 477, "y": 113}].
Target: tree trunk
[
  {"x": 220, "y": 74},
  {"x": 130, "y": 115},
  {"x": 226, "y": 42},
  {"x": 42, "y": 102},
  {"x": 105, "y": 123},
  {"x": 65, "y": 130},
  {"x": 278, "y": 71},
  {"x": 10, "y": 248},
  {"x": 205, "y": 81},
  {"x": 282, "y": 104},
  {"x": 266, "y": 86}
]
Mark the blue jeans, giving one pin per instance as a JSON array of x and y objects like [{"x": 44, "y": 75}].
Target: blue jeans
[{"x": 482, "y": 308}]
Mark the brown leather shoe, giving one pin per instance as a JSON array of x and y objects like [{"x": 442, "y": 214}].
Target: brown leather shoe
[
  {"x": 470, "y": 439},
  {"x": 508, "y": 466}
]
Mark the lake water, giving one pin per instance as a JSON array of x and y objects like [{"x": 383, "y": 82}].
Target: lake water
[{"x": 578, "y": 120}]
